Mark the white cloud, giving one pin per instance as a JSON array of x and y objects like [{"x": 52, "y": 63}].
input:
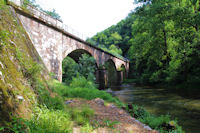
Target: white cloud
[{"x": 89, "y": 16}]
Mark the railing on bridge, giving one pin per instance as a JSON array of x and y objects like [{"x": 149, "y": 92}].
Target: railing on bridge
[{"x": 49, "y": 19}]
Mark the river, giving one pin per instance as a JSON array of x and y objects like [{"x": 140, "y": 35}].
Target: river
[{"x": 179, "y": 104}]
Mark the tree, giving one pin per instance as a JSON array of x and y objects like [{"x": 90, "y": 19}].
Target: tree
[
  {"x": 53, "y": 14},
  {"x": 85, "y": 67}
]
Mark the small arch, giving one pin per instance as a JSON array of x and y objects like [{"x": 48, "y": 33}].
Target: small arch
[
  {"x": 123, "y": 69},
  {"x": 76, "y": 54},
  {"x": 111, "y": 72}
]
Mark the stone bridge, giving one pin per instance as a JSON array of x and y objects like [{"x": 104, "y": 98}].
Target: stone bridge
[{"x": 54, "y": 41}]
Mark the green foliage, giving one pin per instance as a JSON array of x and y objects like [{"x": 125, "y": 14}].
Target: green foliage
[
  {"x": 45, "y": 99},
  {"x": 4, "y": 36},
  {"x": 53, "y": 14},
  {"x": 49, "y": 121},
  {"x": 164, "y": 47},
  {"x": 160, "y": 123},
  {"x": 32, "y": 71},
  {"x": 85, "y": 67},
  {"x": 46, "y": 120},
  {"x": 82, "y": 115},
  {"x": 161, "y": 38},
  {"x": 86, "y": 128},
  {"x": 82, "y": 82},
  {"x": 118, "y": 35},
  {"x": 82, "y": 90},
  {"x": 113, "y": 50},
  {"x": 2, "y": 2},
  {"x": 31, "y": 68},
  {"x": 16, "y": 125},
  {"x": 33, "y": 3},
  {"x": 69, "y": 69},
  {"x": 111, "y": 124}
]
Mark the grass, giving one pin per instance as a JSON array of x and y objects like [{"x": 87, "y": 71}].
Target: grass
[
  {"x": 46, "y": 120},
  {"x": 81, "y": 88},
  {"x": 49, "y": 121},
  {"x": 53, "y": 118},
  {"x": 74, "y": 90},
  {"x": 81, "y": 115}
]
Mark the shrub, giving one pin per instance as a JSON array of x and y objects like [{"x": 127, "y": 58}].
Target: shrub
[
  {"x": 160, "y": 123},
  {"x": 17, "y": 125}
]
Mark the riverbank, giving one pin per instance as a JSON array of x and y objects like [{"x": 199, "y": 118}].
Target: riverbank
[
  {"x": 180, "y": 105},
  {"x": 80, "y": 107},
  {"x": 185, "y": 86},
  {"x": 109, "y": 118}
]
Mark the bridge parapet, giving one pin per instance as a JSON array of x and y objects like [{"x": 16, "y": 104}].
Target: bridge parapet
[{"x": 47, "y": 18}]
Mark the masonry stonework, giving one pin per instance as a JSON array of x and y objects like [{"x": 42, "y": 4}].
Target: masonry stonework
[{"x": 53, "y": 43}]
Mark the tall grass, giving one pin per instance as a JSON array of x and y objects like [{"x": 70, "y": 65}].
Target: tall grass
[
  {"x": 81, "y": 115},
  {"x": 46, "y": 120},
  {"x": 82, "y": 88},
  {"x": 50, "y": 121}
]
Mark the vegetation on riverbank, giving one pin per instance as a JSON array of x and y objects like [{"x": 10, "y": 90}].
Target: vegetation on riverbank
[{"x": 61, "y": 118}]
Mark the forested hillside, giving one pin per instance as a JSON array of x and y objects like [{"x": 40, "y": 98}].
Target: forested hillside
[{"x": 162, "y": 40}]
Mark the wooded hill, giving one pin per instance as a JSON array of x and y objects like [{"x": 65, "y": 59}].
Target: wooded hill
[{"x": 162, "y": 40}]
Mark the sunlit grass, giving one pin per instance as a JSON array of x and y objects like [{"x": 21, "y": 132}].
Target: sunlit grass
[
  {"x": 49, "y": 121},
  {"x": 81, "y": 88}
]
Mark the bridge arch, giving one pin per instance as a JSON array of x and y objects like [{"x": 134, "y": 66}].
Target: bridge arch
[
  {"x": 124, "y": 72},
  {"x": 75, "y": 56},
  {"x": 77, "y": 53},
  {"x": 111, "y": 72}
]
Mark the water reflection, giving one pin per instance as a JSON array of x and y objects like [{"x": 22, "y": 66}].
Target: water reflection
[{"x": 181, "y": 105}]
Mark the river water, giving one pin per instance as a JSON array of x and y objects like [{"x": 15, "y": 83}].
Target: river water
[{"x": 179, "y": 104}]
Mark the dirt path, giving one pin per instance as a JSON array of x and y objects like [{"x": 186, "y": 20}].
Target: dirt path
[{"x": 111, "y": 119}]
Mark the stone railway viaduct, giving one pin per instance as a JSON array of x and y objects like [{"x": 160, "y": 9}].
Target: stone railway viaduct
[{"x": 53, "y": 42}]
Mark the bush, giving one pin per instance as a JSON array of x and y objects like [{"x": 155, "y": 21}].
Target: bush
[{"x": 161, "y": 123}]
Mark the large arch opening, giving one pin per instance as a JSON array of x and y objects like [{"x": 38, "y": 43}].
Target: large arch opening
[
  {"x": 111, "y": 72},
  {"x": 78, "y": 62}
]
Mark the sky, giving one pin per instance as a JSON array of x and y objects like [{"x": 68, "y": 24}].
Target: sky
[{"x": 89, "y": 16}]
